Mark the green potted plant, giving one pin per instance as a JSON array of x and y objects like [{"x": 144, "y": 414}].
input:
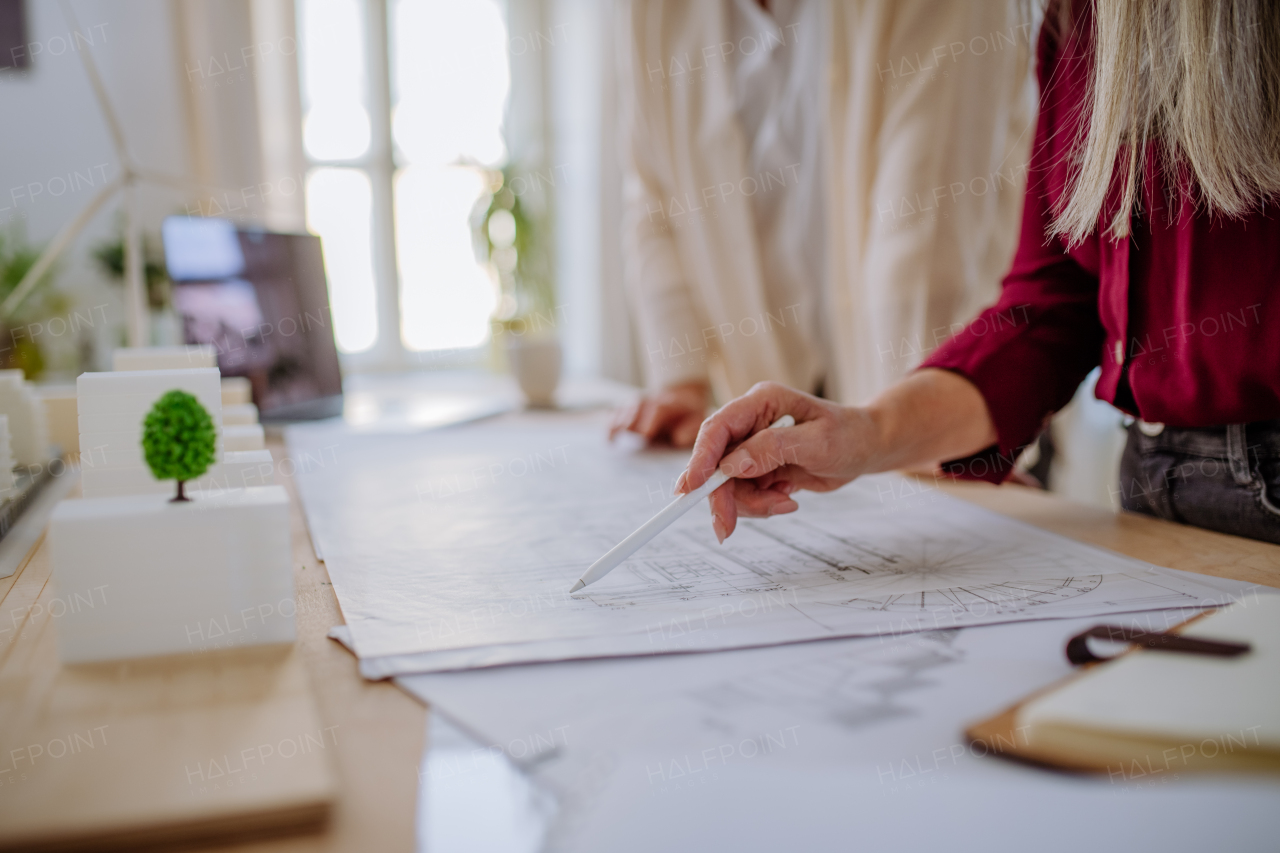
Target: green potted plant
[
  {"x": 18, "y": 347},
  {"x": 179, "y": 441},
  {"x": 109, "y": 256},
  {"x": 512, "y": 234}
]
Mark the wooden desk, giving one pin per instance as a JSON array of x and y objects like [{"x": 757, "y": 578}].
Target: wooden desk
[{"x": 380, "y": 731}]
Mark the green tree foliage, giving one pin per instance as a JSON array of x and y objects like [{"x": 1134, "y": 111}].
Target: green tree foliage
[{"x": 178, "y": 439}]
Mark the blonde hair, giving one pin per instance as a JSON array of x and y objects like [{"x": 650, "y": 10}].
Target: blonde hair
[{"x": 1201, "y": 80}]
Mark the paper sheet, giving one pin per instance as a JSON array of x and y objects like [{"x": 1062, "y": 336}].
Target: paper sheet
[
  {"x": 1092, "y": 595},
  {"x": 804, "y": 746},
  {"x": 457, "y": 548}
]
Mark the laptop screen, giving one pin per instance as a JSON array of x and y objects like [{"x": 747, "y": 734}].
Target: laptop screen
[{"x": 261, "y": 300}]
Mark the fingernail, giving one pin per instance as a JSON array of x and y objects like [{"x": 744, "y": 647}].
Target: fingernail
[
  {"x": 680, "y": 483},
  {"x": 747, "y": 465},
  {"x": 718, "y": 526}
]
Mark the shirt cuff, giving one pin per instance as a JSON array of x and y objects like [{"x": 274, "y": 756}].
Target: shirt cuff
[
  {"x": 992, "y": 464},
  {"x": 989, "y": 466}
]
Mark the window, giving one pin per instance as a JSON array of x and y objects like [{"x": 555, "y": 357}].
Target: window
[{"x": 401, "y": 100}]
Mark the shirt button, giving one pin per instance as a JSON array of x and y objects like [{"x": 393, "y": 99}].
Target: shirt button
[
  {"x": 1119, "y": 352},
  {"x": 1150, "y": 430}
]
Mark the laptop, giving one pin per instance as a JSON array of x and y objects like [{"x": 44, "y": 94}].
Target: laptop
[{"x": 259, "y": 298}]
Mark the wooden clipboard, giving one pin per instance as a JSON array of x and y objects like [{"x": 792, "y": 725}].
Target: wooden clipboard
[{"x": 1126, "y": 757}]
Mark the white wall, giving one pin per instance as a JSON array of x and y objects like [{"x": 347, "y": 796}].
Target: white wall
[
  {"x": 179, "y": 117},
  {"x": 583, "y": 156},
  {"x": 187, "y": 78},
  {"x": 54, "y": 129}
]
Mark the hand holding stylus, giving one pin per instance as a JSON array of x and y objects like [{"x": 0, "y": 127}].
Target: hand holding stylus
[
  {"x": 651, "y": 528},
  {"x": 828, "y": 446}
]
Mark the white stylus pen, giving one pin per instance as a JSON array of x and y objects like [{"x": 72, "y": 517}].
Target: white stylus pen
[{"x": 659, "y": 522}]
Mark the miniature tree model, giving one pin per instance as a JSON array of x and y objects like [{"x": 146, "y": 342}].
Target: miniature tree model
[{"x": 178, "y": 439}]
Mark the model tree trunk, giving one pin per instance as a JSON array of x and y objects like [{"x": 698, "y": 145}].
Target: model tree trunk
[{"x": 182, "y": 495}]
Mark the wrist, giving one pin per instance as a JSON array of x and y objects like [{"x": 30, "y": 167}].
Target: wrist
[{"x": 869, "y": 427}]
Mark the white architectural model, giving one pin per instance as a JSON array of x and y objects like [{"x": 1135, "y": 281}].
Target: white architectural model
[
  {"x": 177, "y": 577},
  {"x": 236, "y": 391},
  {"x": 181, "y": 577},
  {"x": 28, "y": 430},
  {"x": 243, "y": 437},
  {"x": 60, "y": 415},
  {"x": 238, "y": 414},
  {"x": 6, "y": 459},
  {"x": 237, "y": 470},
  {"x": 164, "y": 358},
  {"x": 112, "y": 407}
]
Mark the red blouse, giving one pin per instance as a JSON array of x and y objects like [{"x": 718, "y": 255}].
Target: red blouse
[{"x": 1181, "y": 316}]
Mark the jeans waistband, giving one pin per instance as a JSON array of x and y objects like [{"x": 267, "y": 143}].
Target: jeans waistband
[{"x": 1260, "y": 439}]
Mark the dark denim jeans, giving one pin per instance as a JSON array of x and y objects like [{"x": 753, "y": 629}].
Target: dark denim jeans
[{"x": 1220, "y": 478}]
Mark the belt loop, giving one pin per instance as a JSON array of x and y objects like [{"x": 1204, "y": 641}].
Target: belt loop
[{"x": 1238, "y": 455}]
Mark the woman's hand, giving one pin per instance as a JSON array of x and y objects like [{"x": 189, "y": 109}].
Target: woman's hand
[
  {"x": 929, "y": 416},
  {"x": 829, "y": 446},
  {"x": 672, "y": 416}
]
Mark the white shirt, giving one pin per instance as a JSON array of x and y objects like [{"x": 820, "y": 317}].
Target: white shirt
[
  {"x": 892, "y": 130},
  {"x": 778, "y": 99}
]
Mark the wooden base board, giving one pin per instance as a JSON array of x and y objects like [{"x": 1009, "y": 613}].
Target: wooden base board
[
  {"x": 111, "y": 756},
  {"x": 120, "y": 756}
]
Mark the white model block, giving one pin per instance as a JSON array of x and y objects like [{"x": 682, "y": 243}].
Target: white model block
[
  {"x": 95, "y": 422},
  {"x": 60, "y": 415},
  {"x": 131, "y": 404},
  {"x": 28, "y": 429},
  {"x": 103, "y": 482},
  {"x": 237, "y": 470},
  {"x": 173, "y": 578},
  {"x": 202, "y": 382},
  {"x": 236, "y": 390},
  {"x": 245, "y": 437},
  {"x": 112, "y": 407},
  {"x": 164, "y": 358},
  {"x": 6, "y": 458},
  {"x": 239, "y": 414},
  {"x": 241, "y": 469}
]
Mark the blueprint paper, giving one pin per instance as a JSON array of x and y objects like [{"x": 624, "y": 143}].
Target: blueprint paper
[
  {"x": 797, "y": 747},
  {"x": 1064, "y": 598},
  {"x": 463, "y": 542}
]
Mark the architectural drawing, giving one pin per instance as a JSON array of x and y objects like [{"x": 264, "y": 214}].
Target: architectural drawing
[
  {"x": 852, "y": 685},
  {"x": 475, "y": 572},
  {"x": 1017, "y": 595}
]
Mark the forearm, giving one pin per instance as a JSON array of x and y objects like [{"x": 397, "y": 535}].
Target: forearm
[{"x": 931, "y": 416}]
